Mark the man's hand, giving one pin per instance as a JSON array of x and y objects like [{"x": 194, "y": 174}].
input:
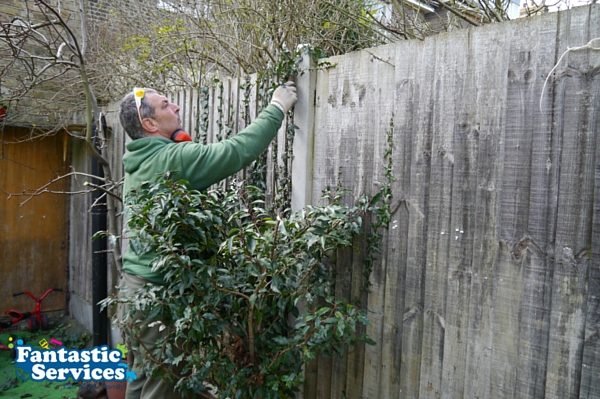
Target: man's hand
[{"x": 285, "y": 96}]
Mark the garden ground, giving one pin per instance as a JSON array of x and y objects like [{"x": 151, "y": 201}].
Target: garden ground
[{"x": 62, "y": 328}]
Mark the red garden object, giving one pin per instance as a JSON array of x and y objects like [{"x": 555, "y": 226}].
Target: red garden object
[{"x": 34, "y": 318}]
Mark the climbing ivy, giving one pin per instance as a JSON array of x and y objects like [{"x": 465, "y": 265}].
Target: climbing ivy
[
  {"x": 203, "y": 115},
  {"x": 220, "y": 123},
  {"x": 382, "y": 213}
]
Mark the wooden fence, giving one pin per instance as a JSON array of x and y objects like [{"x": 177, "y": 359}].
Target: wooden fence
[{"x": 488, "y": 284}]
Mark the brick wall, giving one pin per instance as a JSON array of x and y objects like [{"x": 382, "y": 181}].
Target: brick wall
[
  {"x": 51, "y": 102},
  {"x": 57, "y": 102}
]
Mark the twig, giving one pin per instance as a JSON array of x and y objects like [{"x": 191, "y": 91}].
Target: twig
[
  {"x": 97, "y": 202},
  {"x": 100, "y": 188},
  {"x": 458, "y": 14},
  {"x": 380, "y": 59},
  {"x": 588, "y": 45},
  {"x": 246, "y": 297},
  {"x": 43, "y": 189},
  {"x": 148, "y": 355}
]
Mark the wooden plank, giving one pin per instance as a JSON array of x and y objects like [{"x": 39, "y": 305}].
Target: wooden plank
[
  {"x": 589, "y": 387},
  {"x": 226, "y": 119},
  {"x": 397, "y": 240},
  {"x": 324, "y": 144},
  {"x": 174, "y": 97},
  {"x": 375, "y": 91},
  {"x": 345, "y": 147},
  {"x": 228, "y": 108},
  {"x": 244, "y": 93},
  {"x": 418, "y": 203},
  {"x": 356, "y": 353},
  {"x": 233, "y": 113},
  {"x": 326, "y": 166},
  {"x": 189, "y": 114},
  {"x": 217, "y": 110},
  {"x": 252, "y": 112},
  {"x": 513, "y": 215},
  {"x": 324, "y": 376},
  {"x": 275, "y": 161},
  {"x": 343, "y": 282},
  {"x": 461, "y": 232},
  {"x": 326, "y": 172},
  {"x": 194, "y": 113},
  {"x": 574, "y": 209},
  {"x": 530, "y": 62},
  {"x": 351, "y": 94},
  {"x": 348, "y": 144},
  {"x": 212, "y": 112},
  {"x": 273, "y": 150},
  {"x": 310, "y": 379},
  {"x": 181, "y": 98},
  {"x": 439, "y": 232},
  {"x": 490, "y": 107},
  {"x": 236, "y": 96}
]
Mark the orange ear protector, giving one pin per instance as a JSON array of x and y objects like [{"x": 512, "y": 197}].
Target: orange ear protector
[{"x": 179, "y": 136}]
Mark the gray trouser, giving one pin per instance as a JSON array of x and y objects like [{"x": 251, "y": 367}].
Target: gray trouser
[{"x": 143, "y": 387}]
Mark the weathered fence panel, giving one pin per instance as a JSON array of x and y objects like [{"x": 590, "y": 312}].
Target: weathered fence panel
[{"x": 488, "y": 283}]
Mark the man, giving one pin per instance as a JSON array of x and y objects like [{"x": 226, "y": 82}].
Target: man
[{"x": 154, "y": 125}]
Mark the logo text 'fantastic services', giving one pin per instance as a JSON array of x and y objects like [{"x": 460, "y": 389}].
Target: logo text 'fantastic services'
[{"x": 96, "y": 364}]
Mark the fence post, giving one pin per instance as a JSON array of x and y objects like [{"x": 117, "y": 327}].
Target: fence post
[
  {"x": 303, "y": 161},
  {"x": 304, "y": 119}
]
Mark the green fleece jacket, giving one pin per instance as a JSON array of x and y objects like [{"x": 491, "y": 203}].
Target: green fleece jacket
[{"x": 201, "y": 165}]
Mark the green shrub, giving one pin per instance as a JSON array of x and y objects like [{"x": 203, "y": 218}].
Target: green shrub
[{"x": 250, "y": 295}]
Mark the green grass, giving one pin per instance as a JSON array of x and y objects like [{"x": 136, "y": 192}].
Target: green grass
[{"x": 12, "y": 387}]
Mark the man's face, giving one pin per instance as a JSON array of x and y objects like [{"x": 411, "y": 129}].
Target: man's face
[{"x": 167, "y": 114}]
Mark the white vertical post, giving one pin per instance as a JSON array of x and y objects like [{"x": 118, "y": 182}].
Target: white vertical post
[{"x": 304, "y": 119}]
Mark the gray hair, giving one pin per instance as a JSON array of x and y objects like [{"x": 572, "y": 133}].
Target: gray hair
[{"x": 129, "y": 117}]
